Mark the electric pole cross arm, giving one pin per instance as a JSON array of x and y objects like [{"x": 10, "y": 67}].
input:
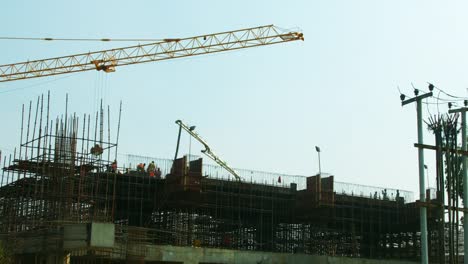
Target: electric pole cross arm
[
  {"x": 207, "y": 151},
  {"x": 108, "y": 60}
]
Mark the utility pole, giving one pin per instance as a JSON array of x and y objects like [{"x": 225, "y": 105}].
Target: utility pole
[
  {"x": 422, "y": 187},
  {"x": 463, "y": 110}
]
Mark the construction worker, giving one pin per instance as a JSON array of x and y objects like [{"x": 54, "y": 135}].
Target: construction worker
[
  {"x": 96, "y": 150},
  {"x": 141, "y": 167},
  {"x": 158, "y": 173},
  {"x": 151, "y": 169},
  {"x": 114, "y": 166}
]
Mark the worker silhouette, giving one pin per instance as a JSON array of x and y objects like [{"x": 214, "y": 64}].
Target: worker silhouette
[
  {"x": 114, "y": 166},
  {"x": 151, "y": 169},
  {"x": 141, "y": 167}
]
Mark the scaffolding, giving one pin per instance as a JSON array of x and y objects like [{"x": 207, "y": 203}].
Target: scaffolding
[{"x": 62, "y": 180}]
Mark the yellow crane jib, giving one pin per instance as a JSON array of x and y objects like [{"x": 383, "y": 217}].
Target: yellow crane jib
[
  {"x": 207, "y": 151},
  {"x": 169, "y": 48}
]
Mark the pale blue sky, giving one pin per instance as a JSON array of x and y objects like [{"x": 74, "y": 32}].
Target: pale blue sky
[{"x": 263, "y": 108}]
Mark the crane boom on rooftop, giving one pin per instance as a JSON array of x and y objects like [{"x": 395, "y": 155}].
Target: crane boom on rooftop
[
  {"x": 108, "y": 60},
  {"x": 207, "y": 151}
]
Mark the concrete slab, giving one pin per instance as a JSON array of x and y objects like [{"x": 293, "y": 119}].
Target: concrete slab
[{"x": 194, "y": 255}]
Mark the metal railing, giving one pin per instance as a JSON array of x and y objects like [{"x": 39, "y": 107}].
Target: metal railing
[{"x": 276, "y": 179}]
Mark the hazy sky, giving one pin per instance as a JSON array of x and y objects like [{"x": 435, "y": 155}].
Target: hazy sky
[{"x": 263, "y": 108}]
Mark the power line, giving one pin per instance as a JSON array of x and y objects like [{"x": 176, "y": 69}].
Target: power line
[
  {"x": 450, "y": 95},
  {"x": 448, "y": 100},
  {"x": 36, "y": 84},
  {"x": 427, "y": 106},
  {"x": 452, "y": 100}
]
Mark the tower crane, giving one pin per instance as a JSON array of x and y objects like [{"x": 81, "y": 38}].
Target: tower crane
[
  {"x": 109, "y": 60},
  {"x": 207, "y": 151}
]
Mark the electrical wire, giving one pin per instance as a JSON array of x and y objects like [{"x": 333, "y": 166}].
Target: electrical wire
[
  {"x": 448, "y": 100},
  {"x": 430, "y": 103},
  {"x": 37, "y": 84},
  {"x": 427, "y": 105},
  {"x": 454, "y": 100},
  {"x": 453, "y": 96},
  {"x": 438, "y": 111},
  {"x": 434, "y": 103},
  {"x": 398, "y": 87}
]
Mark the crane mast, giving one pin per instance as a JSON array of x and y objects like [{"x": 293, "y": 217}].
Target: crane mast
[
  {"x": 207, "y": 151},
  {"x": 108, "y": 60}
]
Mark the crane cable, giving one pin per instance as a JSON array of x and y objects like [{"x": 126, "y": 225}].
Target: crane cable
[
  {"x": 283, "y": 30},
  {"x": 78, "y": 39}
]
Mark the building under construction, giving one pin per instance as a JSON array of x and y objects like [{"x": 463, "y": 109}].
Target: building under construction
[{"x": 63, "y": 201}]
